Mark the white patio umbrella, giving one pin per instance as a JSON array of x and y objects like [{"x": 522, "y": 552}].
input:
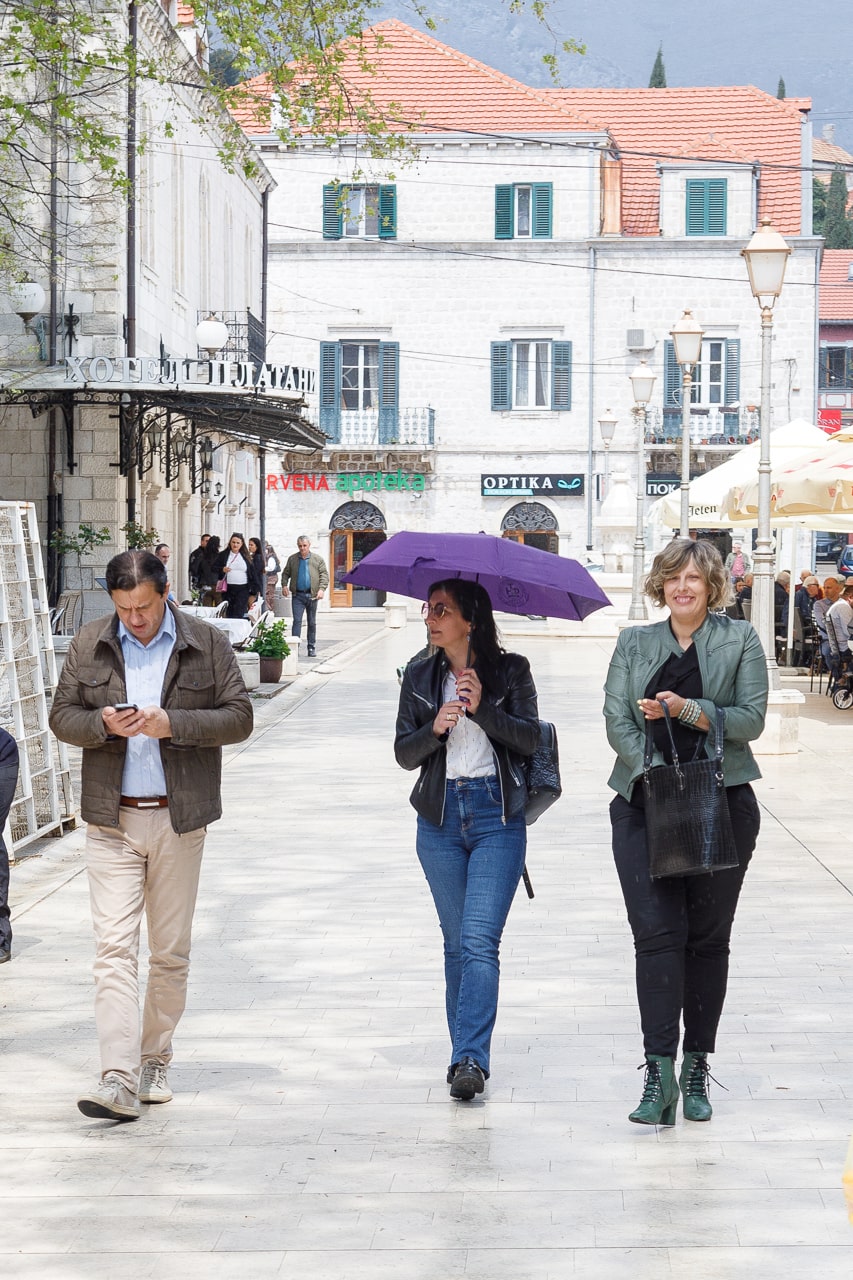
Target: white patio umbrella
[
  {"x": 709, "y": 491},
  {"x": 815, "y": 483}
]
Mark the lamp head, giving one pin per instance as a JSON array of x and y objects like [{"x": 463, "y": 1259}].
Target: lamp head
[
  {"x": 607, "y": 426},
  {"x": 211, "y": 335},
  {"x": 766, "y": 258},
  {"x": 27, "y": 299},
  {"x": 642, "y": 383},
  {"x": 687, "y": 339}
]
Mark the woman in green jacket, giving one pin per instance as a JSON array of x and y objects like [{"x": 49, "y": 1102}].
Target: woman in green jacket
[{"x": 695, "y": 661}]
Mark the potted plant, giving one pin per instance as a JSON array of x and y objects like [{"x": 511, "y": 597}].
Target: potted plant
[{"x": 270, "y": 645}]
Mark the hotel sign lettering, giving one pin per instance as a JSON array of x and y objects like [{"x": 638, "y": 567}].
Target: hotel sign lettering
[
  {"x": 347, "y": 482},
  {"x": 518, "y": 486},
  {"x": 148, "y": 371}
]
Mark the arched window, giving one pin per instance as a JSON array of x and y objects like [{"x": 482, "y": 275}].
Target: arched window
[{"x": 533, "y": 524}]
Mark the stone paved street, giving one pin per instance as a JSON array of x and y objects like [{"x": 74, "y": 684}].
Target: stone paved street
[{"x": 311, "y": 1135}]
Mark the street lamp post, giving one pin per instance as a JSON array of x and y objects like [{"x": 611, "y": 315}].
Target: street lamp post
[
  {"x": 642, "y": 384},
  {"x": 687, "y": 340},
  {"x": 766, "y": 258},
  {"x": 607, "y": 427}
]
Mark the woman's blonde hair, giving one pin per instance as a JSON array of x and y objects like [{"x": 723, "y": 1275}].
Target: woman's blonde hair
[{"x": 674, "y": 557}]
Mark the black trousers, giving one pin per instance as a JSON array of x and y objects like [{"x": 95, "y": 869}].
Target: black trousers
[
  {"x": 8, "y": 783},
  {"x": 681, "y": 929}
]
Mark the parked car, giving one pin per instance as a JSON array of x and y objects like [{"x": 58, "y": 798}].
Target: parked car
[
  {"x": 845, "y": 562},
  {"x": 828, "y": 546}
]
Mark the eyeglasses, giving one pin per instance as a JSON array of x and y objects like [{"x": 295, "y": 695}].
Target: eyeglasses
[{"x": 439, "y": 610}]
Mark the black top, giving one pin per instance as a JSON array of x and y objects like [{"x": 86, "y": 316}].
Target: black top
[{"x": 680, "y": 674}]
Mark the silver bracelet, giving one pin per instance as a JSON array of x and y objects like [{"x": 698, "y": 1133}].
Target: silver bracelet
[{"x": 690, "y": 713}]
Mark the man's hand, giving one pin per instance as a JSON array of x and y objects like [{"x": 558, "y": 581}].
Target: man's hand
[
  {"x": 284, "y": 590},
  {"x": 156, "y": 723},
  {"x": 123, "y": 724},
  {"x": 320, "y": 595}
]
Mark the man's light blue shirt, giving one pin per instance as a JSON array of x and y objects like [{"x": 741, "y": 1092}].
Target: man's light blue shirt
[{"x": 144, "y": 672}]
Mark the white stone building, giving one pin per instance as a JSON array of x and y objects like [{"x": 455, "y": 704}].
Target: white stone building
[
  {"x": 474, "y": 311},
  {"x": 109, "y": 410}
]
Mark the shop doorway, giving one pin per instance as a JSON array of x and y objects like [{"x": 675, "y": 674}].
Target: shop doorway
[
  {"x": 354, "y": 529},
  {"x": 533, "y": 524}
]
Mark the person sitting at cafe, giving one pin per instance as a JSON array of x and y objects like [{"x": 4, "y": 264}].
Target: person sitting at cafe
[
  {"x": 805, "y": 598},
  {"x": 839, "y": 623}
]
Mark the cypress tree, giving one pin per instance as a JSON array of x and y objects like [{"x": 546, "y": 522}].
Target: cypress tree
[
  {"x": 838, "y": 228},
  {"x": 818, "y": 206},
  {"x": 780, "y": 91},
  {"x": 658, "y": 76}
]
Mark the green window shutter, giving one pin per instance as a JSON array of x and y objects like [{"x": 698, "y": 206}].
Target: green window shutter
[
  {"x": 695, "y": 217},
  {"x": 671, "y": 376},
  {"x": 706, "y": 207},
  {"x": 561, "y": 375},
  {"x": 542, "y": 200},
  {"x": 333, "y": 221},
  {"x": 504, "y": 211},
  {"x": 732, "y": 370},
  {"x": 389, "y": 380},
  {"x": 717, "y": 193},
  {"x": 388, "y": 211},
  {"x": 501, "y": 375},
  {"x": 330, "y": 390}
]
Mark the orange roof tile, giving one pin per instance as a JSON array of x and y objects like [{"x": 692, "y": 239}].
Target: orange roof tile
[
  {"x": 829, "y": 152},
  {"x": 186, "y": 15},
  {"x": 651, "y": 125},
  {"x": 434, "y": 89},
  {"x": 835, "y": 300}
]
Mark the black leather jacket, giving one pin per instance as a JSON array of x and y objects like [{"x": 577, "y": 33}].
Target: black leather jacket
[{"x": 509, "y": 718}]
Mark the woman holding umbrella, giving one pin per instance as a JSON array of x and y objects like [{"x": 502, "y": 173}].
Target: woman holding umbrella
[
  {"x": 467, "y": 718},
  {"x": 696, "y": 661}
]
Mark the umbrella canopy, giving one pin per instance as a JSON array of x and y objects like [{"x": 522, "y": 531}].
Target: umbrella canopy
[
  {"x": 816, "y": 482},
  {"x": 709, "y": 491},
  {"x": 519, "y": 579}
]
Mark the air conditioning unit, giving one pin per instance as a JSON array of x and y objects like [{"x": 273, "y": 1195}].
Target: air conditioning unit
[{"x": 639, "y": 340}]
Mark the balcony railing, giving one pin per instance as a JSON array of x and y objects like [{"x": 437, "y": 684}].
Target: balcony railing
[
  {"x": 366, "y": 428},
  {"x": 722, "y": 427}
]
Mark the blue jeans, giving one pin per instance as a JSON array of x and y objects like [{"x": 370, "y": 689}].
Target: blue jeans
[
  {"x": 473, "y": 864},
  {"x": 302, "y": 604}
]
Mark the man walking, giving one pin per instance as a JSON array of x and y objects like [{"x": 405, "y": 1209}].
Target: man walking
[
  {"x": 195, "y": 560},
  {"x": 151, "y": 695},
  {"x": 306, "y": 575}
]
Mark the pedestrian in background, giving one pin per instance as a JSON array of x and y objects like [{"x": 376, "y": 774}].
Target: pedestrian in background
[
  {"x": 195, "y": 561},
  {"x": 259, "y": 565},
  {"x": 695, "y": 661},
  {"x": 8, "y": 783},
  {"x": 151, "y": 787},
  {"x": 467, "y": 719},
  {"x": 273, "y": 569},
  {"x": 737, "y": 562},
  {"x": 235, "y": 566},
  {"x": 208, "y": 572},
  {"x": 306, "y": 576}
]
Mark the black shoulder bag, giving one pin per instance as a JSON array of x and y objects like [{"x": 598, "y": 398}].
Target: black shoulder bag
[
  {"x": 543, "y": 774},
  {"x": 688, "y": 828}
]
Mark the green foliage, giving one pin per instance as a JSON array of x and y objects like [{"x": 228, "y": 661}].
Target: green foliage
[
  {"x": 819, "y": 189},
  {"x": 838, "y": 227},
  {"x": 657, "y": 80},
  {"x": 80, "y": 543},
  {"x": 270, "y": 640},
  {"x": 780, "y": 88},
  {"x": 138, "y": 537}
]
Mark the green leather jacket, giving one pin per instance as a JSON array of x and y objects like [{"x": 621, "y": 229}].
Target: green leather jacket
[{"x": 734, "y": 677}]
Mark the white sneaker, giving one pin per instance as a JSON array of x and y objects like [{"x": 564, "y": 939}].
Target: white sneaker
[
  {"x": 153, "y": 1083},
  {"x": 112, "y": 1100}
]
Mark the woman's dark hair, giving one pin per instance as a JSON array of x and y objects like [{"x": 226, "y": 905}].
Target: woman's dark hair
[
  {"x": 257, "y": 550},
  {"x": 474, "y": 604},
  {"x": 130, "y": 569},
  {"x": 211, "y": 550},
  {"x": 244, "y": 550}
]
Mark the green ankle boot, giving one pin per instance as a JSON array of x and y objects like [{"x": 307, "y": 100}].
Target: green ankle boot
[
  {"x": 694, "y": 1086},
  {"x": 660, "y": 1092}
]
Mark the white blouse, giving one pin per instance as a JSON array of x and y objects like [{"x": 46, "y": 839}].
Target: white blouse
[
  {"x": 469, "y": 752},
  {"x": 236, "y": 570}
]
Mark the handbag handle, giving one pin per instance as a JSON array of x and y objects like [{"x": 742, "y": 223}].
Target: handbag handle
[{"x": 719, "y": 724}]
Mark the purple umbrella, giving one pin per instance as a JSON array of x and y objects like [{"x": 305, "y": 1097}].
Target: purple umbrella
[{"x": 519, "y": 579}]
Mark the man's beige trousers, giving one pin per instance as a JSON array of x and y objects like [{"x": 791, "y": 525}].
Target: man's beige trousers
[{"x": 141, "y": 866}]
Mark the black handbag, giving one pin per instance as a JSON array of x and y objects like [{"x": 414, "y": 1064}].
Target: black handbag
[
  {"x": 543, "y": 774},
  {"x": 688, "y": 828}
]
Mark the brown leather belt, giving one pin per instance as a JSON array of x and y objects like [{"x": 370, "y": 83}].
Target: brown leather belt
[{"x": 144, "y": 802}]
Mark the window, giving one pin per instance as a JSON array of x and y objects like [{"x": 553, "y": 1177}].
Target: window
[
  {"x": 531, "y": 375},
  {"x": 359, "y": 378},
  {"x": 706, "y": 207},
  {"x": 523, "y": 211},
  {"x": 365, "y": 212},
  {"x": 716, "y": 378},
  {"x": 835, "y": 365}
]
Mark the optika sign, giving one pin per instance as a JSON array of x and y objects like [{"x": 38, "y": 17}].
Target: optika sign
[
  {"x": 348, "y": 482},
  {"x": 147, "y": 371}
]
